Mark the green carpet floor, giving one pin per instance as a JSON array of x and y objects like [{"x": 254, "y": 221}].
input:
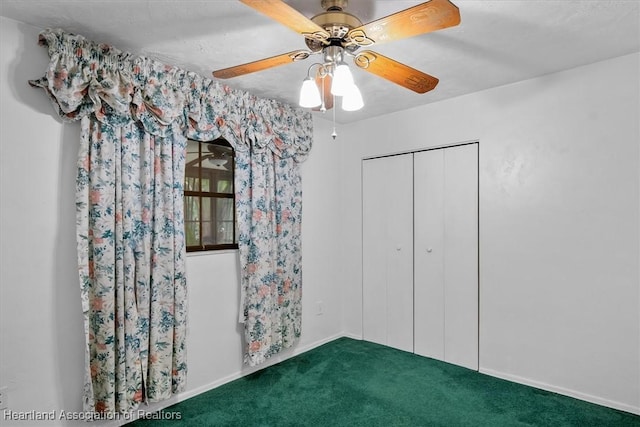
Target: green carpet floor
[{"x": 355, "y": 383}]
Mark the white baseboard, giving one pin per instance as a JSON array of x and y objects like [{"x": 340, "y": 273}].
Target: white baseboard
[
  {"x": 352, "y": 336},
  {"x": 286, "y": 354},
  {"x": 564, "y": 391}
]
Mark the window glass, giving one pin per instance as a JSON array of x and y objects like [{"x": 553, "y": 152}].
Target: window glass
[{"x": 209, "y": 205}]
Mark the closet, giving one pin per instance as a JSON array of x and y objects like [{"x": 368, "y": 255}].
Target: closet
[{"x": 420, "y": 252}]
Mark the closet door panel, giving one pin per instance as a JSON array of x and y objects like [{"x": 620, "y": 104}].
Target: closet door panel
[
  {"x": 428, "y": 254},
  {"x": 374, "y": 268},
  {"x": 400, "y": 295},
  {"x": 461, "y": 255},
  {"x": 387, "y": 192}
]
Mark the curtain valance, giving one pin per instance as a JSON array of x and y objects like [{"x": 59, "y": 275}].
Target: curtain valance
[{"x": 118, "y": 88}]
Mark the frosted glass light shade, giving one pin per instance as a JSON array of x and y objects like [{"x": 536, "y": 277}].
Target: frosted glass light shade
[
  {"x": 352, "y": 99},
  {"x": 309, "y": 94},
  {"x": 342, "y": 79}
]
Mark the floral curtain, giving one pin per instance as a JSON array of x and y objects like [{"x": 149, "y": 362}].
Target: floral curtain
[
  {"x": 136, "y": 114},
  {"x": 131, "y": 264},
  {"x": 269, "y": 240}
]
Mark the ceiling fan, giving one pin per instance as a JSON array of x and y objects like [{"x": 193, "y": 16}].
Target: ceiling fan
[{"x": 337, "y": 34}]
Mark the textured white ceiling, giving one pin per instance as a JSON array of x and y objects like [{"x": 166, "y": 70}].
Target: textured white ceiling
[{"x": 498, "y": 42}]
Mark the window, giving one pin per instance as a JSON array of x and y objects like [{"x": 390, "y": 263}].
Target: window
[{"x": 209, "y": 205}]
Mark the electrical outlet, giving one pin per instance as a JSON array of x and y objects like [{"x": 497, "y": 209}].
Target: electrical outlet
[
  {"x": 319, "y": 308},
  {"x": 4, "y": 398}
]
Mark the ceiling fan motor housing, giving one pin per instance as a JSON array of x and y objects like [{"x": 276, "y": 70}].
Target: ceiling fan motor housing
[{"x": 336, "y": 22}]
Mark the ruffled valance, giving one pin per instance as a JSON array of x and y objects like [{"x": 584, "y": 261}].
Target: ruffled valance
[{"x": 84, "y": 78}]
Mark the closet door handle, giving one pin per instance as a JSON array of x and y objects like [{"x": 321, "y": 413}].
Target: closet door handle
[{"x": 429, "y": 250}]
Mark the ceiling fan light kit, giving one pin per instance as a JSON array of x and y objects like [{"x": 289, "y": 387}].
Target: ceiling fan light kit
[
  {"x": 309, "y": 94},
  {"x": 342, "y": 80},
  {"x": 335, "y": 34},
  {"x": 352, "y": 100}
]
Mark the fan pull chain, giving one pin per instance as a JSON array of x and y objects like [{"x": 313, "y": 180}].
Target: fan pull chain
[
  {"x": 323, "y": 108},
  {"x": 334, "y": 134}
]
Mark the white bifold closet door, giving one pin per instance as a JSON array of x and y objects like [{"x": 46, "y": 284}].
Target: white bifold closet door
[
  {"x": 446, "y": 254},
  {"x": 387, "y": 197}
]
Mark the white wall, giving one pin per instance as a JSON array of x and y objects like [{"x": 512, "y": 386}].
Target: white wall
[
  {"x": 41, "y": 348},
  {"x": 559, "y": 223},
  {"x": 40, "y": 313}
]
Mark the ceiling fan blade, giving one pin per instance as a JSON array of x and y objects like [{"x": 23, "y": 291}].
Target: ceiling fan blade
[
  {"x": 395, "y": 72},
  {"x": 423, "y": 18},
  {"x": 262, "y": 64},
  {"x": 289, "y": 17}
]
